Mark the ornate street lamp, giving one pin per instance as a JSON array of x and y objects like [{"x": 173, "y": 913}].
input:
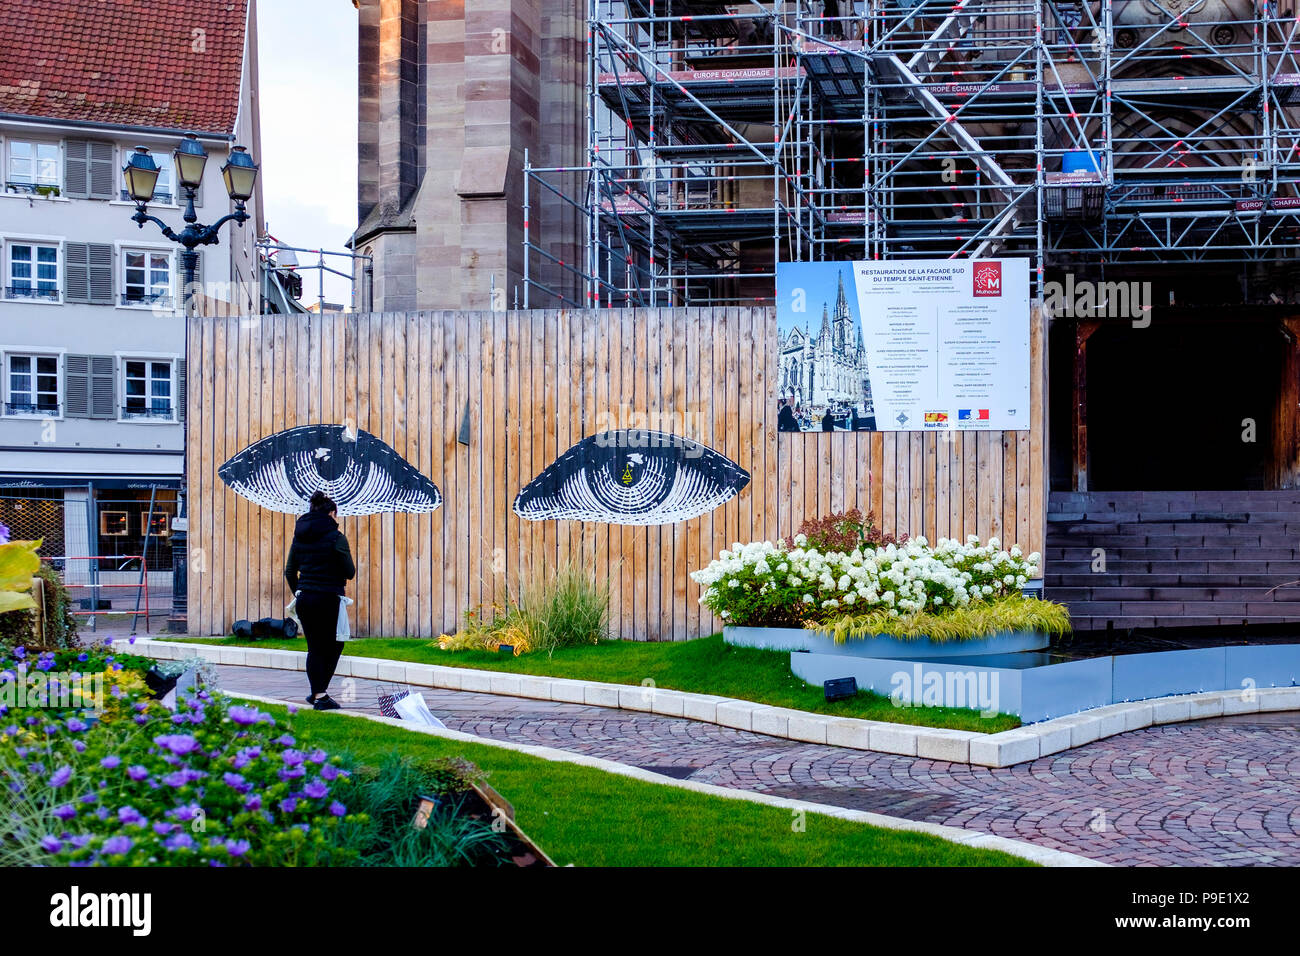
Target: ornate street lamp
[{"x": 141, "y": 177}]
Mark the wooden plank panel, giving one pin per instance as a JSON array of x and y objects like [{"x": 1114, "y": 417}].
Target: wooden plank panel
[
  {"x": 217, "y": 506},
  {"x": 538, "y": 426},
  {"x": 230, "y": 523},
  {"x": 983, "y": 485},
  {"x": 916, "y": 483},
  {"x": 454, "y": 467},
  {"x": 201, "y": 469},
  {"x": 970, "y": 484},
  {"x": 599, "y": 407},
  {"x": 640, "y": 535},
  {"x": 766, "y": 321},
  {"x": 615, "y": 404},
  {"x": 682, "y": 563},
  {"x": 480, "y": 457},
  {"x": 441, "y": 425},
  {"x": 417, "y": 569},
  {"x": 706, "y": 379},
  {"x": 560, "y": 402},
  {"x": 249, "y": 416},
  {"x": 369, "y": 414},
  {"x": 942, "y": 486},
  {"x": 889, "y": 485},
  {"x": 537, "y": 383},
  {"x": 631, "y": 318},
  {"x": 497, "y": 488},
  {"x": 515, "y": 479}
]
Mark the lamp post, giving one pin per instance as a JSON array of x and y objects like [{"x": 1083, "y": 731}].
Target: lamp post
[{"x": 141, "y": 177}]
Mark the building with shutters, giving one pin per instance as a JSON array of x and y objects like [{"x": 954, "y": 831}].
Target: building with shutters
[{"x": 91, "y": 330}]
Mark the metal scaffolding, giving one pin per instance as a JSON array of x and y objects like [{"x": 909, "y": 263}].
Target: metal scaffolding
[{"x": 1114, "y": 136}]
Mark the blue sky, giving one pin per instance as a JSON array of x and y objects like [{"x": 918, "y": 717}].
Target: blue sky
[{"x": 307, "y": 64}]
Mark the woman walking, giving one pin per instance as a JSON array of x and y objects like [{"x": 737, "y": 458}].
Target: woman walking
[{"x": 318, "y": 566}]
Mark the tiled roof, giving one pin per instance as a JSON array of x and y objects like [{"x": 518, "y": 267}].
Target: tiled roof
[{"x": 174, "y": 64}]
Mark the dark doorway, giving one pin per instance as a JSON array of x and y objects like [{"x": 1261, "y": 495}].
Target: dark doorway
[{"x": 1167, "y": 405}]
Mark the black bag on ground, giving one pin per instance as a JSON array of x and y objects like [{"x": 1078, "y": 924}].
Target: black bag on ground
[
  {"x": 267, "y": 627},
  {"x": 275, "y": 627}
]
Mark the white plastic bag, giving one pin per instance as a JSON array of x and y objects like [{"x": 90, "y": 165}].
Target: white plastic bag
[
  {"x": 344, "y": 631},
  {"x": 413, "y": 708},
  {"x": 291, "y": 611}
]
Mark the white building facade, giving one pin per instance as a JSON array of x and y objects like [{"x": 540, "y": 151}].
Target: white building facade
[{"x": 92, "y": 336}]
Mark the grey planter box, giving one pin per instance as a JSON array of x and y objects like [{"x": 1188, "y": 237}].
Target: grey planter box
[{"x": 798, "y": 639}]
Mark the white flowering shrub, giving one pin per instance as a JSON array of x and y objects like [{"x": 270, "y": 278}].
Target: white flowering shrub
[{"x": 778, "y": 585}]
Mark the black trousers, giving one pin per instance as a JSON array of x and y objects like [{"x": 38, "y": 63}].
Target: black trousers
[{"x": 319, "y": 613}]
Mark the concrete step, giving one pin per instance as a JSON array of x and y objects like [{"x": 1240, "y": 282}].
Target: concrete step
[
  {"x": 1234, "y": 611},
  {"x": 1148, "y": 501},
  {"x": 1126, "y": 622},
  {"x": 1085, "y": 555},
  {"x": 1177, "y": 593},
  {"x": 1281, "y": 527},
  {"x": 1223, "y": 572},
  {"x": 1140, "y": 580}
]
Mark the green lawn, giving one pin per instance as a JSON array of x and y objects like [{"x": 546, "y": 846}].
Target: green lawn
[
  {"x": 704, "y": 666},
  {"x": 588, "y": 817}
]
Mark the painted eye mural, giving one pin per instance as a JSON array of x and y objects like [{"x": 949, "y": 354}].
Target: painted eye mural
[
  {"x": 632, "y": 477},
  {"x": 361, "y": 473}
]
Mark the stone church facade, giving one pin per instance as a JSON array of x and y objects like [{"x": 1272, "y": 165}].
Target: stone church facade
[{"x": 828, "y": 369}]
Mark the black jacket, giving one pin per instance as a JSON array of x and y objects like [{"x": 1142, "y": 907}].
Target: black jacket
[{"x": 319, "y": 558}]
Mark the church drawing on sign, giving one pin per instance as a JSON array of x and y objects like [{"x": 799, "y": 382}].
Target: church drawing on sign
[{"x": 827, "y": 371}]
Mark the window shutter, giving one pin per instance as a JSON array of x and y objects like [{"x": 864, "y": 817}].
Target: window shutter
[
  {"x": 103, "y": 390},
  {"x": 102, "y": 170},
  {"x": 180, "y": 390},
  {"x": 76, "y": 386},
  {"x": 76, "y": 272},
  {"x": 100, "y": 283},
  {"x": 76, "y": 169}
]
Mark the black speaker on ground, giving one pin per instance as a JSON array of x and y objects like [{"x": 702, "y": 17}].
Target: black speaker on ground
[{"x": 840, "y": 688}]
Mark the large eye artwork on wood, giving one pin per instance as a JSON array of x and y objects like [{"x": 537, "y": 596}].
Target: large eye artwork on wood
[
  {"x": 361, "y": 473},
  {"x": 632, "y": 477}
]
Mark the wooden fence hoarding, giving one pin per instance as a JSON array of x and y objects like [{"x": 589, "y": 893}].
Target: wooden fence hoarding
[{"x": 533, "y": 383}]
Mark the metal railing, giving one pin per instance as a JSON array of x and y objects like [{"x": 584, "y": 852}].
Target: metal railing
[
  {"x": 154, "y": 412},
  {"x": 31, "y": 408},
  {"x": 160, "y": 197},
  {"x": 156, "y": 299},
  {"x": 32, "y": 292}
]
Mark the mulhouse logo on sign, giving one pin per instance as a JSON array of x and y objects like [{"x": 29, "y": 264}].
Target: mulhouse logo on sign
[
  {"x": 632, "y": 477},
  {"x": 362, "y": 474}
]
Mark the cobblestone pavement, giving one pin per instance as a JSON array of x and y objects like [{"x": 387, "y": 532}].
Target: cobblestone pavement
[{"x": 1223, "y": 792}]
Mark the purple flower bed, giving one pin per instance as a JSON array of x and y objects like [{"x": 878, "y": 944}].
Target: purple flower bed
[{"x": 207, "y": 785}]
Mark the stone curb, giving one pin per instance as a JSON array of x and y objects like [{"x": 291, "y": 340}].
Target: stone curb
[
  {"x": 1004, "y": 749},
  {"x": 972, "y": 838}
]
